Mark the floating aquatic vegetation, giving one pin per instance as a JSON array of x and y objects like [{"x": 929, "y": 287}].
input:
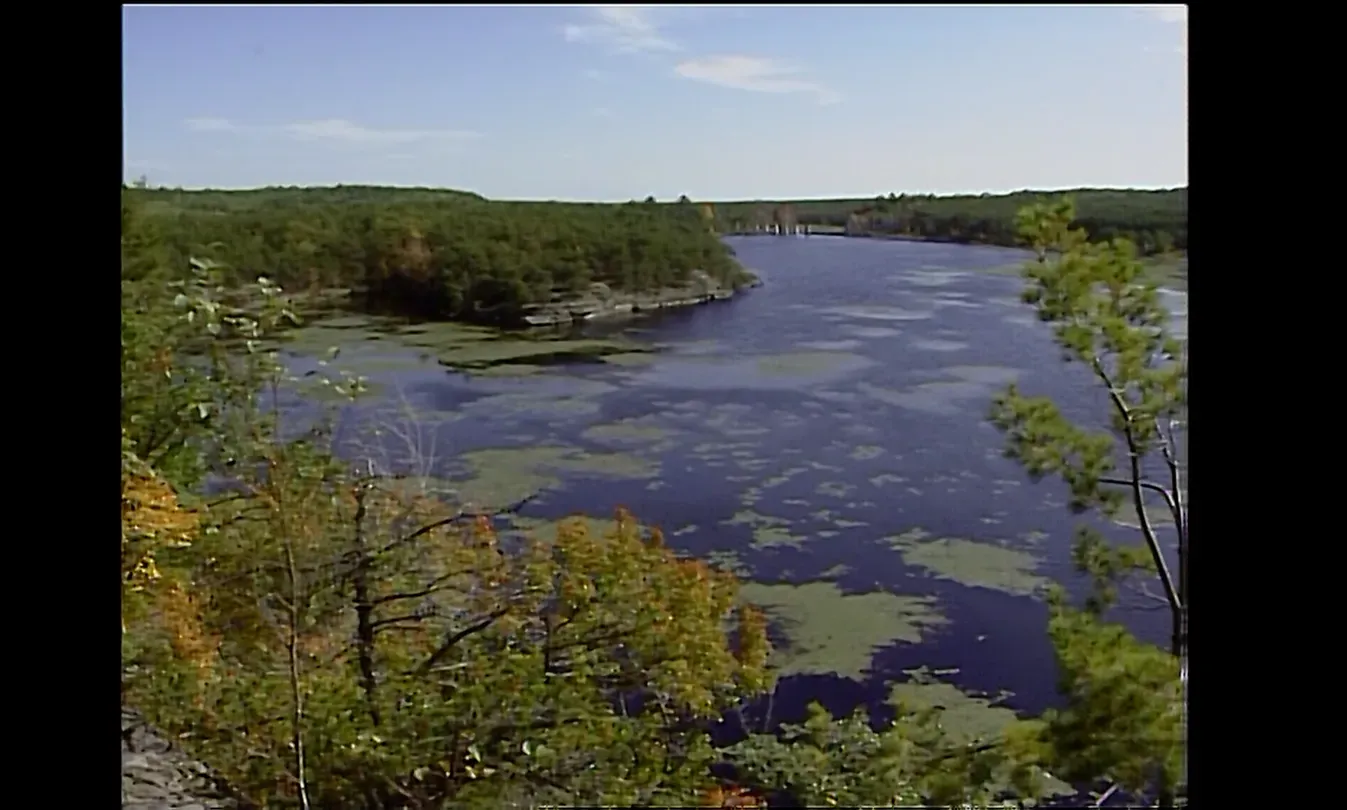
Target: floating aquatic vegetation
[
  {"x": 831, "y": 517},
  {"x": 627, "y": 431},
  {"x": 505, "y": 475},
  {"x": 984, "y": 375},
  {"x": 871, "y": 331},
  {"x": 534, "y": 404},
  {"x": 776, "y": 536},
  {"x": 940, "y": 398},
  {"x": 866, "y": 452},
  {"x": 835, "y": 489},
  {"x": 942, "y": 302},
  {"x": 831, "y": 345},
  {"x": 966, "y": 716},
  {"x": 932, "y": 277},
  {"x": 938, "y": 345},
  {"x": 479, "y": 354},
  {"x": 972, "y": 563},
  {"x": 784, "y": 477},
  {"x": 508, "y": 370},
  {"x": 829, "y": 631},
  {"x": 884, "y": 479},
  {"x": 727, "y": 561}
]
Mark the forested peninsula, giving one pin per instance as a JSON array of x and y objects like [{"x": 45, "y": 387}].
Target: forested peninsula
[{"x": 453, "y": 255}]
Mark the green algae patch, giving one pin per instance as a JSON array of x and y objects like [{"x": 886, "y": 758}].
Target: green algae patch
[
  {"x": 474, "y": 355},
  {"x": 971, "y": 563},
  {"x": 502, "y": 476},
  {"x": 508, "y": 370},
  {"x": 768, "y": 531},
  {"x": 967, "y": 717},
  {"x": 610, "y": 465},
  {"x": 834, "y": 489},
  {"x": 793, "y": 363},
  {"x": 727, "y": 561},
  {"x": 505, "y": 475},
  {"x": 866, "y": 452},
  {"x": 626, "y": 431},
  {"x": 938, "y": 345},
  {"x": 985, "y": 375},
  {"x": 776, "y": 536},
  {"x": 535, "y": 405},
  {"x": 827, "y": 630}
]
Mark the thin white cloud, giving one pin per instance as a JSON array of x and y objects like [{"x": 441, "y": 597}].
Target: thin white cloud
[
  {"x": 623, "y": 29},
  {"x": 603, "y": 112},
  {"x": 595, "y": 75},
  {"x": 754, "y": 73},
  {"x": 332, "y": 130}
]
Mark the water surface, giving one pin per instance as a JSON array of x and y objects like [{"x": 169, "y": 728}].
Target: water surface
[{"x": 824, "y": 435}]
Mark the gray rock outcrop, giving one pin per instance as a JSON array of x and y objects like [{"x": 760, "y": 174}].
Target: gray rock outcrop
[{"x": 157, "y": 775}]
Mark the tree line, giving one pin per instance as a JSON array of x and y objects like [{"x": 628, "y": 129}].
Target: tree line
[
  {"x": 1155, "y": 221},
  {"x": 330, "y": 635},
  {"x": 435, "y": 254}
]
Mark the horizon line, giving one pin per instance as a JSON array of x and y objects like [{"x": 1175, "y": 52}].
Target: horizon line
[{"x": 885, "y": 194}]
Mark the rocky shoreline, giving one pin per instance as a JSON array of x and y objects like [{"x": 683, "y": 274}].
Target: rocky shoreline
[
  {"x": 157, "y": 775},
  {"x": 601, "y": 302}
]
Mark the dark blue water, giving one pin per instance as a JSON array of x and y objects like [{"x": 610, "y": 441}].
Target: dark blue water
[{"x": 898, "y": 346}]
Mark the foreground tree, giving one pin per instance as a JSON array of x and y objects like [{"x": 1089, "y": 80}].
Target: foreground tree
[
  {"x": 331, "y": 639},
  {"x": 912, "y": 761},
  {"x": 1124, "y": 716}
]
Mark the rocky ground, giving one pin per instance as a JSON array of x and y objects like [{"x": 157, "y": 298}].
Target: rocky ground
[{"x": 157, "y": 775}]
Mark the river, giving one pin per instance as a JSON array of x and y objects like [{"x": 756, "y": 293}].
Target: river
[{"x": 824, "y": 434}]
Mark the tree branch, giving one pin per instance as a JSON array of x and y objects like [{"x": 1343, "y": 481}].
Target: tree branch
[
  {"x": 1176, "y": 505},
  {"x": 1149, "y": 485},
  {"x": 1134, "y": 462},
  {"x": 454, "y": 638}
]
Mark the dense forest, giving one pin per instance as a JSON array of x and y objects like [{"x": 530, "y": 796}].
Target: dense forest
[
  {"x": 437, "y": 254},
  {"x": 1157, "y": 221},
  {"x": 449, "y": 254}
]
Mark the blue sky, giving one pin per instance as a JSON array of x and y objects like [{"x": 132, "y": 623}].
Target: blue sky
[{"x": 617, "y": 102}]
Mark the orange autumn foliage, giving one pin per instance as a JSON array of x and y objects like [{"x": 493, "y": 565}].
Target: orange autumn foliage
[{"x": 734, "y": 796}]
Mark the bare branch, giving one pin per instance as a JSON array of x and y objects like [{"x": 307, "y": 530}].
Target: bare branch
[
  {"x": 408, "y": 617},
  {"x": 454, "y": 638},
  {"x": 1148, "y": 485},
  {"x": 1176, "y": 505}
]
